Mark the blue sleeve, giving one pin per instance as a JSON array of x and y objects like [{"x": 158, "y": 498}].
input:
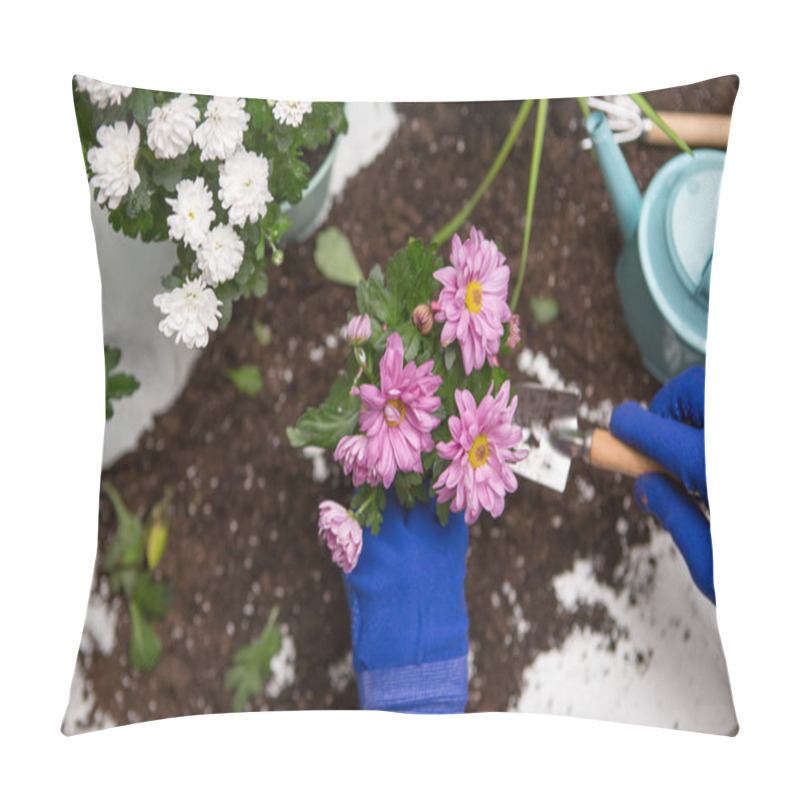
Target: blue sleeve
[{"x": 438, "y": 687}]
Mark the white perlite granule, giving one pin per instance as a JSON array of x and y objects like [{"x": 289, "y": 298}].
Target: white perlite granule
[
  {"x": 99, "y": 627},
  {"x": 282, "y": 666},
  {"x": 341, "y": 673},
  {"x": 599, "y": 415},
  {"x": 538, "y": 367},
  {"x": 585, "y": 489},
  {"x": 82, "y": 714},
  {"x": 667, "y": 668},
  {"x": 319, "y": 467}
]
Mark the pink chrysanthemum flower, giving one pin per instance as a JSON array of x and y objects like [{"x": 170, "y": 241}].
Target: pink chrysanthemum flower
[
  {"x": 482, "y": 447},
  {"x": 351, "y": 453},
  {"x": 397, "y": 418},
  {"x": 472, "y": 303},
  {"x": 342, "y": 534}
]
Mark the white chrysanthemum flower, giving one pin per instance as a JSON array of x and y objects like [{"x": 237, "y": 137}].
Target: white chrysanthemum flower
[
  {"x": 192, "y": 310},
  {"x": 171, "y": 127},
  {"x": 220, "y": 255},
  {"x": 193, "y": 212},
  {"x": 244, "y": 186},
  {"x": 113, "y": 163},
  {"x": 223, "y": 129},
  {"x": 291, "y": 112},
  {"x": 101, "y": 93}
]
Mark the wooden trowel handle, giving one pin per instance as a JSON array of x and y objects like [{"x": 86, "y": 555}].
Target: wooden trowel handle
[
  {"x": 610, "y": 453},
  {"x": 697, "y": 130}
]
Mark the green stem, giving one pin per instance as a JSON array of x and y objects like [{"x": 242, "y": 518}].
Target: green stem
[
  {"x": 361, "y": 361},
  {"x": 584, "y": 106},
  {"x": 653, "y": 115},
  {"x": 536, "y": 158},
  {"x": 369, "y": 501},
  {"x": 455, "y": 223}
]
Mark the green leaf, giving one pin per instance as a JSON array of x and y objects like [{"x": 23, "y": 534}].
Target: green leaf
[
  {"x": 499, "y": 377},
  {"x": 145, "y": 649},
  {"x": 112, "y": 357},
  {"x": 412, "y": 340},
  {"x": 252, "y": 664},
  {"x": 478, "y": 382},
  {"x": 127, "y": 546},
  {"x": 246, "y": 270},
  {"x": 151, "y": 597},
  {"x": 168, "y": 171},
  {"x": 409, "y": 278},
  {"x": 368, "y": 504},
  {"x": 325, "y": 425},
  {"x": 443, "y": 513},
  {"x": 372, "y": 297},
  {"x": 653, "y": 115},
  {"x": 141, "y": 102},
  {"x": 172, "y": 281},
  {"x": 409, "y": 489},
  {"x": 247, "y": 379},
  {"x": 335, "y": 259},
  {"x": 120, "y": 385},
  {"x": 545, "y": 309},
  {"x": 228, "y": 293},
  {"x": 259, "y": 284}
]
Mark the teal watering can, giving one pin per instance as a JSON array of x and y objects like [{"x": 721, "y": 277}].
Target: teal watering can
[{"x": 664, "y": 269}]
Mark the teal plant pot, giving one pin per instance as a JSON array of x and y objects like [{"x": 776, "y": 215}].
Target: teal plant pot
[{"x": 310, "y": 212}]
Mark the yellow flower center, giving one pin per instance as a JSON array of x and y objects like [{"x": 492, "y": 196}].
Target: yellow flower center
[
  {"x": 474, "y": 299},
  {"x": 399, "y": 406},
  {"x": 479, "y": 452}
]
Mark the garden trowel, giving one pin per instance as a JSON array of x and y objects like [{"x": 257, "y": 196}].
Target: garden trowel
[{"x": 549, "y": 422}]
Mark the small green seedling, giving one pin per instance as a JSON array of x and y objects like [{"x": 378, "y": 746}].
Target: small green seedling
[
  {"x": 252, "y": 664},
  {"x": 118, "y": 384},
  {"x": 247, "y": 379},
  {"x": 134, "y": 552}
]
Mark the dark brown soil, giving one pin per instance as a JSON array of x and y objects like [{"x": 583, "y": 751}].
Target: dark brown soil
[{"x": 243, "y": 524}]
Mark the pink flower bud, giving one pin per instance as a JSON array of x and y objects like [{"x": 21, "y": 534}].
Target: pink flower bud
[
  {"x": 513, "y": 331},
  {"x": 423, "y": 318},
  {"x": 342, "y": 534},
  {"x": 359, "y": 329}
]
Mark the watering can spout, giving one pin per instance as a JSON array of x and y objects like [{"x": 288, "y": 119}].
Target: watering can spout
[{"x": 625, "y": 194}]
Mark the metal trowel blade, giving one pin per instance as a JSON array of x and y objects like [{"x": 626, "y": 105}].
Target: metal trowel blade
[{"x": 539, "y": 411}]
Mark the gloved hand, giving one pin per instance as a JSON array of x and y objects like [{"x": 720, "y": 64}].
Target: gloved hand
[
  {"x": 670, "y": 432},
  {"x": 408, "y": 612}
]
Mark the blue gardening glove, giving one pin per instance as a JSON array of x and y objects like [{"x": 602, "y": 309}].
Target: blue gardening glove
[
  {"x": 670, "y": 432},
  {"x": 408, "y": 612}
]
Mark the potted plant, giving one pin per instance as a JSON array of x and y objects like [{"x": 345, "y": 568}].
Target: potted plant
[
  {"x": 215, "y": 176},
  {"x": 422, "y": 408}
]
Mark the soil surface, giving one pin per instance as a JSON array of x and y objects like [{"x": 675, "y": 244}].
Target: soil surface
[{"x": 244, "y": 510}]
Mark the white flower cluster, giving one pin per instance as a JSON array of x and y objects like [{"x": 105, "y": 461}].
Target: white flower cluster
[
  {"x": 172, "y": 128},
  {"x": 192, "y": 310},
  {"x": 102, "y": 94},
  {"x": 291, "y": 112},
  {"x": 243, "y": 192},
  {"x": 223, "y": 130},
  {"x": 113, "y": 163}
]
